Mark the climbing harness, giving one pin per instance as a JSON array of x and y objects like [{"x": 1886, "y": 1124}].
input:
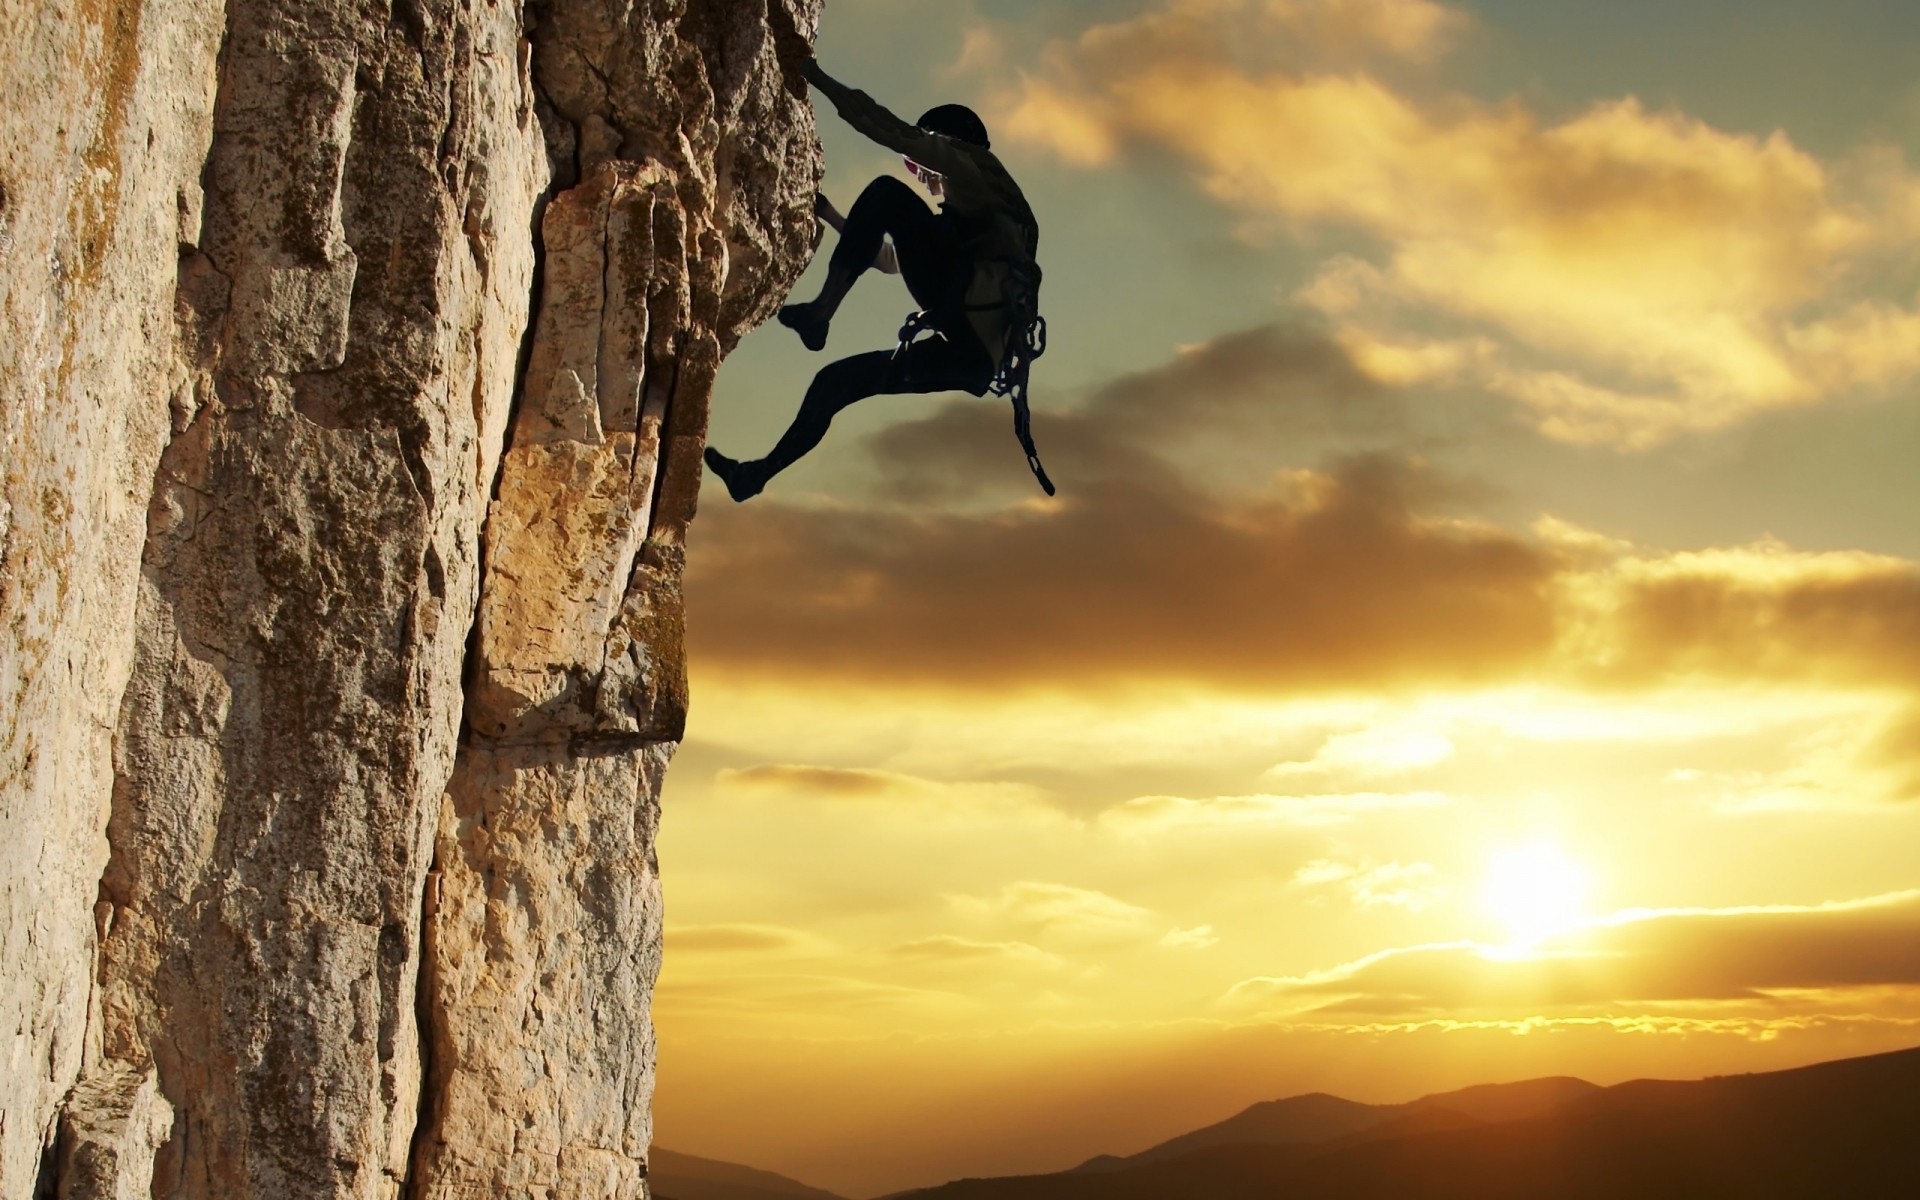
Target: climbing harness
[{"x": 1026, "y": 341}]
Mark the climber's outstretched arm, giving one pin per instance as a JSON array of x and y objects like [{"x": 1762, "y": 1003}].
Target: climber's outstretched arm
[
  {"x": 934, "y": 151},
  {"x": 931, "y": 150}
]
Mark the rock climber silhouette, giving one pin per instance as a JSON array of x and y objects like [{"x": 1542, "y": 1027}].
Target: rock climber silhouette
[{"x": 969, "y": 266}]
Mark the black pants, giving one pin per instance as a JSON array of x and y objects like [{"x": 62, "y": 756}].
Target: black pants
[{"x": 936, "y": 271}]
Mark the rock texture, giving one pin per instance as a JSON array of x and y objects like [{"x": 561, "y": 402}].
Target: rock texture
[
  {"x": 355, "y": 369},
  {"x": 105, "y": 118},
  {"x": 113, "y": 1123}
]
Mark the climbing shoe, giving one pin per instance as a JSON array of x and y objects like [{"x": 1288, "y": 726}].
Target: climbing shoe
[
  {"x": 801, "y": 319},
  {"x": 743, "y": 480}
]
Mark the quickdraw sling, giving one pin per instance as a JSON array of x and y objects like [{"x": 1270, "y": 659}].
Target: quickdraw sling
[{"x": 1026, "y": 341}]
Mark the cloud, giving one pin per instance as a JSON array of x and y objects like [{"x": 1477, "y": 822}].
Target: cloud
[
  {"x": 1059, "y": 105},
  {"x": 1767, "y": 615},
  {"x": 1624, "y": 275},
  {"x": 1198, "y": 938},
  {"x": 1371, "y": 753},
  {"x": 1341, "y": 580},
  {"x": 1761, "y": 611},
  {"x": 1408, "y": 886},
  {"x": 1897, "y": 748},
  {"x": 818, "y": 781},
  {"x": 1414, "y": 29},
  {"x": 811, "y": 1001},
  {"x": 1279, "y": 371},
  {"x": 737, "y": 939},
  {"x": 1825, "y": 778},
  {"x": 946, "y": 948},
  {"x": 1761, "y": 954},
  {"x": 892, "y": 790},
  {"x": 982, "y": 47},
  {"x": 1073, "y": 914},
  {"x": 1149, "y": 816},
  {"x": 1756, "y": 1029},
  {"x": 1276, "y": 379},
  {"x": 1336, "y": 582}
]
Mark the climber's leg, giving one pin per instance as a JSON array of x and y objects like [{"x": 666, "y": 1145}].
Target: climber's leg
[
  {"x": 931, "y": 365},
  {"x": 929, "y": 252}
]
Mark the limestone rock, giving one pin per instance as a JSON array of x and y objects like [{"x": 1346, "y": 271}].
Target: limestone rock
[
  {"x": 105, "y": 117},
  {"x": 111, "y": 1127},
  {"x": 354, "y": 372},
  {"x": 544, "y": 941}
]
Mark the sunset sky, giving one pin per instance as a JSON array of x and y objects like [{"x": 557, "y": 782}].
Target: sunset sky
[{"x": 1477, "y": 637}]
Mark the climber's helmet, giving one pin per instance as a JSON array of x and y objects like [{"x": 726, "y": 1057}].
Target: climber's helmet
[{"x": 955, "y": 121}]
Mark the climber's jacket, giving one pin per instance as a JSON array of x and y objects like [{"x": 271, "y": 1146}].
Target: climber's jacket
[{"x": 996, "y": 227}]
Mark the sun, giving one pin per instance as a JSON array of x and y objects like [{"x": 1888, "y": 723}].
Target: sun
[{"x": 1535, "y": 890}]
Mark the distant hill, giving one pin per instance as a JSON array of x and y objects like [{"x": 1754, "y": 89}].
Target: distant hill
[
  {"x": 1317, "y": 1117},
  {"x": 1847, "y": 1130},
  {"x": 1509, "y": 1101},
  {"x": 673, "y": 1176}
]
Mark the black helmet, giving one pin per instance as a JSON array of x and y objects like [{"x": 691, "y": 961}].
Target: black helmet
[{"x": 956, "y": 121}]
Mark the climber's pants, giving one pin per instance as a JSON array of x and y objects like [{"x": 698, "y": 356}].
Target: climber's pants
[
  {"x": 933, "y": 265},
  {"x": 936, "y": 270},
  {"x": 932, "y": 364}
]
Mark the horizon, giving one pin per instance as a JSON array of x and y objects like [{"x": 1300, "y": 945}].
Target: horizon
[
  {"x": 1477, "y": 637},
  {"x": 1407, "y": 1103}
]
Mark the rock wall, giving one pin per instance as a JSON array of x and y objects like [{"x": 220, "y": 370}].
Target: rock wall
[
  {"x": 105, "y": 119},
  {"x": 355, "y": 369}
]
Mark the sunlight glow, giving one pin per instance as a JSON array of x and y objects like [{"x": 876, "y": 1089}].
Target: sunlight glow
[{"x": 1535, "y": 891}]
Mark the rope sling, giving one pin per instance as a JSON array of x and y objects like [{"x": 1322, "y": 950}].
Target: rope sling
[{"x": 1026, "y": 341}]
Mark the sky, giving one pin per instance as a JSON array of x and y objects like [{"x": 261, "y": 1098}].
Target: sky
[{"x": 1477, "y": 636}]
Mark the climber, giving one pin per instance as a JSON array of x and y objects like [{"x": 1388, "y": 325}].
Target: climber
[{"x": 969, "y": 266}]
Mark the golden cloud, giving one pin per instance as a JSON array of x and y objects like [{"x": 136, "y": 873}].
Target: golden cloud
[
  {"x": 1408, "y": 886},
  {"x": 818, "y": 781},
  {"x": 739, "y": 938},
  {"x": 1898, "y": 748},
  {"x": 1626, "y": 275},
  {"x": 951, "y": 949},
  {"x": 1273, "y": 380},
  {"x": 810, "y": 1000},
  {"x": 1198, "y": 938},
  {"x": 1132, "y": 577},
  {"x": 1335, "y": 581},
  {"x": 1151, "y": 816},
  {"x": 1756, "y": 612},
  {"x": 1779, "y": 955},
  {"x": 1371, "y": 753},
  {"x": 1073, "y": 914},
  {"x": 962, "y": 802},
  {"x": 1757, "y": 1029},
  {"x": 1764, "y": 614}
]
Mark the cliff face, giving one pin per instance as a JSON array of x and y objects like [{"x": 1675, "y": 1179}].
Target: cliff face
[{"x": 354, "y": 371}]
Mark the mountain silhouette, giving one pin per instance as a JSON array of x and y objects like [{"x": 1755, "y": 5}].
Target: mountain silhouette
[
  {"x": 1846, "y": 1130},
  {"x": 672, "y": 1176},
  {"x": 1318, "y": 1118}
]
